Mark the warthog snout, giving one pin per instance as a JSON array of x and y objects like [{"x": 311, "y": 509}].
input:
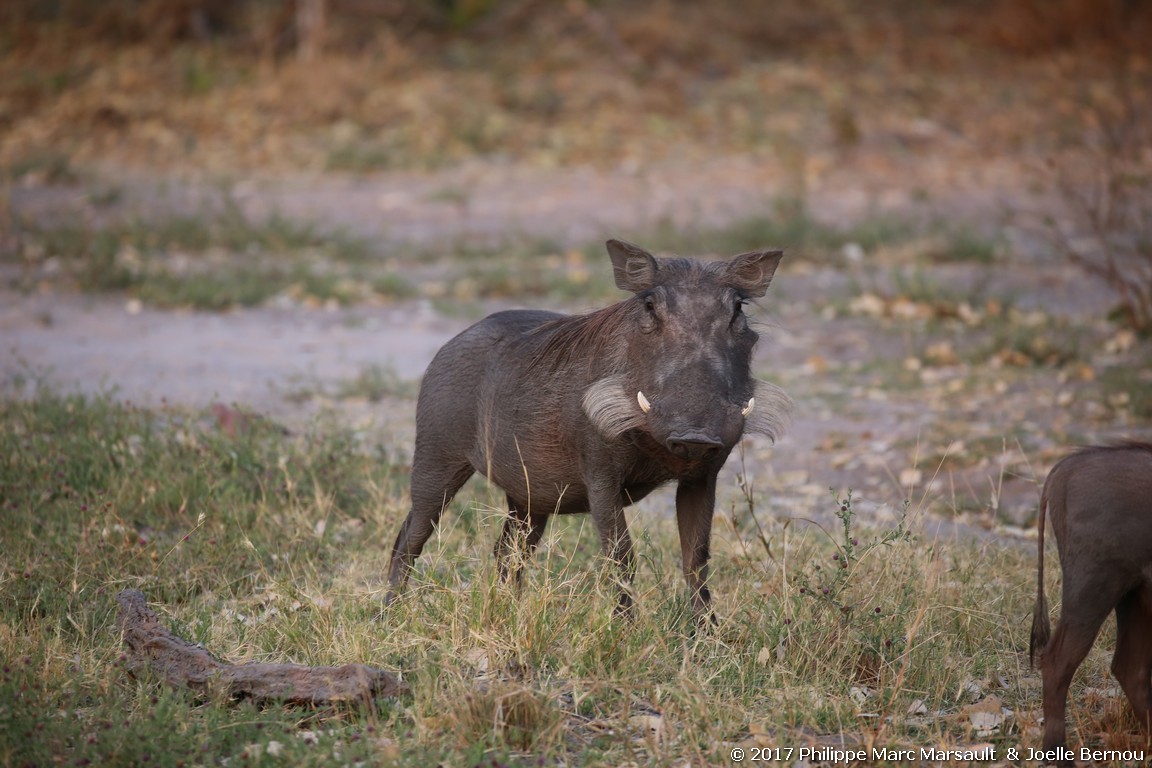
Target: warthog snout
[
  {"x": 693, "y": 445},
  {"x": 590, "y": 413},
  {"x": 1100, "y": 503}
]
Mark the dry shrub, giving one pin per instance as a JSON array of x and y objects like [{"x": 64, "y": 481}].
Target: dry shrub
[
  {"x": 1033, "y": 27},
  {"x": 1104, "y": 192},
  {"x": 160, "y": 22}
]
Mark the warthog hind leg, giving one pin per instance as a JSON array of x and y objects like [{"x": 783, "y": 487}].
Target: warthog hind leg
[
  {"x": 1084, "y": 606},
  {"x": 433, "y": 486},
  {"x": 1132, "y": 661}
]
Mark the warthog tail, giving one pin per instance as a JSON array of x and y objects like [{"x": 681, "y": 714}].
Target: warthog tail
[{"x": 1041, "y": 628}]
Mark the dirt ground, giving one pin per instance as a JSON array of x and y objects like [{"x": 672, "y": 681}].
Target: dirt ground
[
  {"x": 893, "y": 398},
  {"x": 964, "y": 441}
]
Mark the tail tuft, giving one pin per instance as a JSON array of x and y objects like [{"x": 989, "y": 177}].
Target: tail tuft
[{"x": 1041, "y": 630}]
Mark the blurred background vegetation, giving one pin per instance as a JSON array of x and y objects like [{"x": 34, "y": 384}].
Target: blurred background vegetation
[
  {"x": 1049, "y": 99},
  {"x": 361, "y": 85}
]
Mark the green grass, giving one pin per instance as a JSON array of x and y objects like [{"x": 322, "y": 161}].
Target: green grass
[
  {"x": 219, "y": 258},
  {"x": 214, "y": 261},
  {"x": 272, "y": 547},
  {"x": 963, "y": 245},
  {"x": 1129, "y": 387},
  {"x": 376, "y": 382},
  {"x": 524, "y": 268},
  {"x": 220, "y": 290},
  {"x": 52, "y": 166},
  {"x": 787, "y": 223},
  {"x": 363, "y": 156},
  {"x": 373, "y": 383},
  {"x": 1033, "y": 340}
]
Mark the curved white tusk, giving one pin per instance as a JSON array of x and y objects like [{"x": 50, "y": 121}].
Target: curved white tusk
[
  {"x": 644, "y": 404},
  {"x": 748, "y": 408}
]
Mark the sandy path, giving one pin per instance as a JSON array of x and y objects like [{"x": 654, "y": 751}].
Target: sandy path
[{"x": 290, "y": 363}]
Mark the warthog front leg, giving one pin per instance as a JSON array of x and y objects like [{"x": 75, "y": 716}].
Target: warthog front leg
[
  {"x": 615, "y": 542},
  {"x": 695, "y": 501},
  {"x": 519, "y": 537}
]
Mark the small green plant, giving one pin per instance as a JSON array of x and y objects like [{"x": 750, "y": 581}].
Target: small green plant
[
  {"x": 461, "y": 14},
  {"x": 218, "y": 290},
  {"x": 834, "y": 590},
  {"x": 363, "y": 156},
  {"x": 374, "y": 383},
  {"x": 849, "y": 546},
  {"x": 1032, "y": 341},
  {"x": 394, "y": 286},
  {"x": 916, "y": 285},
  {"x": 458, "y": 197},
  {"x": 1128, "y": 387},
  {"x": 964, "y": 245}
]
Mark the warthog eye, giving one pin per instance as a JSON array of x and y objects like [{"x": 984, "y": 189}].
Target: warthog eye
[
  {"x": 738, "y": 309},
  {"x": 650, "y": 320}
]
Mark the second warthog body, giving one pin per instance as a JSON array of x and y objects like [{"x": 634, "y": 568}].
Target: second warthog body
[
  {"x": 1100, "y": 503},
  {"x": 589, "y": 413}
]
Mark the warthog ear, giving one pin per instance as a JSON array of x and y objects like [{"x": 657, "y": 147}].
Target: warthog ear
[
  {"x": 750, "y": 273},
  {"x": 632, "y": 266}
]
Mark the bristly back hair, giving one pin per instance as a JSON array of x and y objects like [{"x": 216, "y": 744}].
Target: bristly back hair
[{"x": 583, "y": 338}]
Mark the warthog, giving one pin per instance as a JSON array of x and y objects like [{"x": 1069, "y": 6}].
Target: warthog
[
  {"x": 1100, "y": 500},
  {"x": 590, "y": 413}
]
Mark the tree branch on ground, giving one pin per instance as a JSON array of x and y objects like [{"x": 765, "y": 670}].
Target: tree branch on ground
[{"x": 151, "y": 647}]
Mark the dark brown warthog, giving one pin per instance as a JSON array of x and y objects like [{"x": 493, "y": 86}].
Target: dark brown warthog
[
  {"x": 1100, "y": 500},
  {"x": 589, "y": 413}
]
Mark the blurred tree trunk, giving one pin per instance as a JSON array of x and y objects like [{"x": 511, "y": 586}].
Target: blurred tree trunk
[{"x": 310, "y": 21}]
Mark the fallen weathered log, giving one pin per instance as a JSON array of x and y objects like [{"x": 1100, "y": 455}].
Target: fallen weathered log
[{"x": 182, "y": 664}]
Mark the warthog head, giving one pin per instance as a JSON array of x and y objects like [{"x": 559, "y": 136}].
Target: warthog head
[{"x": 683, "y": 349}]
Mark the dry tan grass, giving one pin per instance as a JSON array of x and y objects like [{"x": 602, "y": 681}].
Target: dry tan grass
[{"x": 570, "y": 84}]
